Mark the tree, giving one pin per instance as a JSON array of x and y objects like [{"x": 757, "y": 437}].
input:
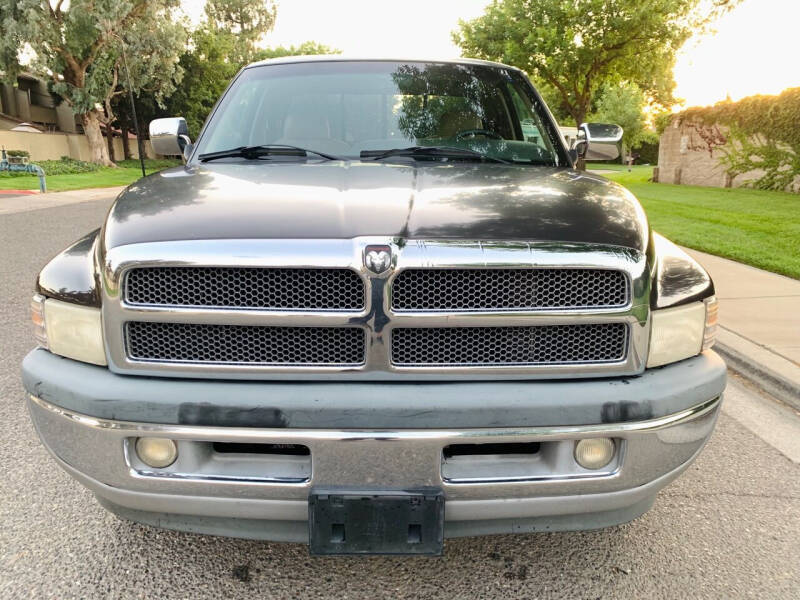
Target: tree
[
  {"x": 245, "y": 21},
  {"x": 305, "y": 49},
  {"x": 576, "y": 46},
  {"x": 623, "y": 104},
  {"x": 80, "y": 48},
  {"x": 10, "y": 40},
  {"x": 147, "y": 109},
  {"x": 209, "y": 67},
  {"x": 210, "y": 64}
]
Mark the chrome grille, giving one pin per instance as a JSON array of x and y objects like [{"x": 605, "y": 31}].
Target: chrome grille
[
  {"x": 275, "y": 289},
  {"x": 526, "y": 345},
  {"x": 309, "y": 309},
  {"x": 242, "y": 344},
  {"x": 508, "y": 289}
]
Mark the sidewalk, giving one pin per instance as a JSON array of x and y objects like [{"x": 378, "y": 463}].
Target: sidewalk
[
  {"x": 16, "y": 204},
  {"x": 759, "y": 324}
]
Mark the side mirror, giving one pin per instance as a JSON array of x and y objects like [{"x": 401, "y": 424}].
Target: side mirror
[
  {"x": 600, "y": 141},
  {"x": 579, "y": 145},
  {"x": 170, "y": 137}
]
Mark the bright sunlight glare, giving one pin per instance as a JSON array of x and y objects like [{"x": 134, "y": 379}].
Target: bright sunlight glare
[{"x": 753, "y": 51}]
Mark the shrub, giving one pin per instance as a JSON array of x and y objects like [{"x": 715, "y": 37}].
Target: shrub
[
  {"x": 762, "y": 134},
  {"x": 67, "y": 166},
  {"x": 22, "y": 153},
  {"x": 647, "y": 149},
  {"x": 149, "y": 163}
]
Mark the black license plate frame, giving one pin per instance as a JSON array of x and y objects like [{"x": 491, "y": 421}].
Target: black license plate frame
[{"x": 409, "y": 522}]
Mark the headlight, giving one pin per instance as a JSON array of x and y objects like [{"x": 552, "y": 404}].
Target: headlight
[
  {"x": 682, "y": 332},
  {"x": 69, "y": 330},
  {"x": 679, "y": 279}
]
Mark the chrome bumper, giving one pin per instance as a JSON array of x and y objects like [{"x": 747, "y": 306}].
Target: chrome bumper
[{"x": 650, "y": 453}]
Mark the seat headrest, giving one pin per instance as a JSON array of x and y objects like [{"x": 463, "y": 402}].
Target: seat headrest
[
  {"x": 455, "y": 121},
  {"x": 306, "y": 120}
]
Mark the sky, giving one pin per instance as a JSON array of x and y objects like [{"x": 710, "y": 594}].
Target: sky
[{"x": 754, "y": 49}]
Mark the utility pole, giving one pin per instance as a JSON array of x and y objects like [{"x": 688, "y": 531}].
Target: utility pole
[{"x": 139, "y": 144}]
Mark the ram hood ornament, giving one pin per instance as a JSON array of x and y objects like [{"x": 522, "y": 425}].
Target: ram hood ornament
[{"x": 378, "y": 258}]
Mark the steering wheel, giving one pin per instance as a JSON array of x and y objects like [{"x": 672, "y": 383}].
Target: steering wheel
[{"x": 473, "y": 132}]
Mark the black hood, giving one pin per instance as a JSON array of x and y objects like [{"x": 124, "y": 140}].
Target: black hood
[{"x": 337, "y": 199}]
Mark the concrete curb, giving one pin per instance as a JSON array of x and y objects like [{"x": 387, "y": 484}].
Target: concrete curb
[{"x": 770, "y": 371}]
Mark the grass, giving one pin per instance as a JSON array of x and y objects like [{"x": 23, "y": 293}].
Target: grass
[
  {"x": 755, "y": 227},
  {"x": 127, "y": 172}
]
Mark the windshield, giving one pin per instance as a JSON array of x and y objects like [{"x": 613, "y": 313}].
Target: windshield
[{"x": 349, "y": 108}]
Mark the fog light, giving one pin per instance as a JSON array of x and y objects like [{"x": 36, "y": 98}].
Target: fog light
[
  {"x": 156, "y": 452},
  {"x": 594, "y": 453}
]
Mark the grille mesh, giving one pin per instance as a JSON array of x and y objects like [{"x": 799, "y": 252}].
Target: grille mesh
[
  {"x": 540, "y": 344},
  {"x": 245, "y": 344},
  {"x": 507, "y": 289},
  {"x": 287, "y": 289}
]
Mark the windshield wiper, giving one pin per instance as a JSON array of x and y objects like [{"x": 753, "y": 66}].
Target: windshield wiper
[
  {"x": 431, "y": 152},
  {"x": 254, "y": 152}
]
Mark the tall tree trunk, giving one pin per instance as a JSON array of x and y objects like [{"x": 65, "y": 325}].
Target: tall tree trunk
[
  {"x": 126, "y": 143},
  {"x": 110, "y": 143},
  {"x": 97, "y": 145}
]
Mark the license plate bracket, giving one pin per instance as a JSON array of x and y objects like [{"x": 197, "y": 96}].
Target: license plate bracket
[{"x": 376, "y": 522}]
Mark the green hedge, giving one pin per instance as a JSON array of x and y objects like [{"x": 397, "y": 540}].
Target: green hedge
[
  {"x": 150, "y": 164},
  {"x": 648, "y": 153},
  {"x": 775, "y": 117},
  {"x": 65, "y": 166},
  {"x": 71, "y": 166},
  {"x": 762, "y": 133}
]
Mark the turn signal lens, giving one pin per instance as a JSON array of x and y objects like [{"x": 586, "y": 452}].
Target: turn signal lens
[
  {"x": 712, "y": 320},
  {"x": 594, "y": 453},
  {"x": 156, "y": 452},
  {"x": 37, "y": 316}
]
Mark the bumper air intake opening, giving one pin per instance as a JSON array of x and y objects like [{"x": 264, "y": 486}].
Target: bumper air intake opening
[
  {"x": 524, "y": 448},
  {"x": 240, "y": 448},
  {"x": 518, "y": 461}
]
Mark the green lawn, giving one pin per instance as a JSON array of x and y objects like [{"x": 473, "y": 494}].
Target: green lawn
[
  {"x": 751, "y": 226},
  {"x": 105, "y": 177}
]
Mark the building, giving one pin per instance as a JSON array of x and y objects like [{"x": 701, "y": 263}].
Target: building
[{"x": 31, "y": 102}]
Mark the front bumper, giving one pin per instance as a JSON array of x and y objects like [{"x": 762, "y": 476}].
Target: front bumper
[{"x": 261, "y": 497}]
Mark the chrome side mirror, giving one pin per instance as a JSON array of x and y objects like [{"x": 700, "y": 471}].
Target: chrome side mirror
[
  {"x": 170, "y": 137},
  {"x": 578, "y": 146},
  {"x": 601, "y": 141}
]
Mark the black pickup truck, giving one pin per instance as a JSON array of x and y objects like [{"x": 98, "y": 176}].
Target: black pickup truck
[{"x": 378, "y": 306}]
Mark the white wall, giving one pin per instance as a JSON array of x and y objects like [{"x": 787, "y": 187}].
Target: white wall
[{"x": 52, "y": 146}]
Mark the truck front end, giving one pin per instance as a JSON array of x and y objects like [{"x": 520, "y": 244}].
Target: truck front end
[{"x": 371, "y": 355}]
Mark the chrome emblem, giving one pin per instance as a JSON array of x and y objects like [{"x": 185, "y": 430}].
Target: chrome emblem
[{"x": 378, "y": 258}]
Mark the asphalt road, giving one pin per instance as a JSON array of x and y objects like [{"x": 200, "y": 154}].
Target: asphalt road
[{"x": 729, "y": 527}]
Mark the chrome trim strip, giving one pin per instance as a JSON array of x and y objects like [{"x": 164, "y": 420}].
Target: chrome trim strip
[
  {"x": 288, "y": 435},
  {"x": 202, "y": 477},
  {"x": 376, "y": 318}
]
